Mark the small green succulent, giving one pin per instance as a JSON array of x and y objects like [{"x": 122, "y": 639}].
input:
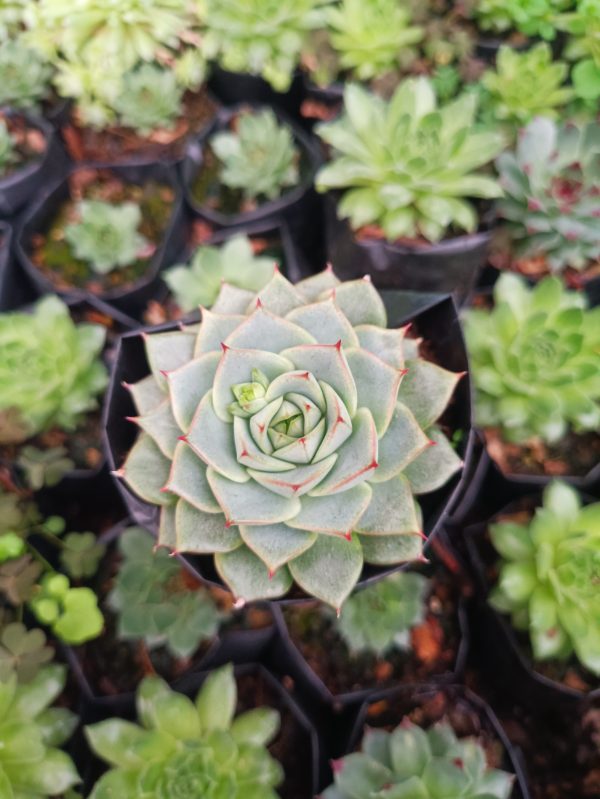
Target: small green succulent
[
  {"x": 371, "y": 37},
  {"x": 525, "y": 85},
  {"x": 260, "y": 157},
  {"x": 183, "y": 749},
  {"x": 8, "y": 152},
  {"x": 261, "y": 37},
  {"x": 22, "y": 651},
  {"x": 548, "y": 578},
  {"x": 199, "y": 283},
  {"x": 380, "y": 617},
  {"x": 72, "y": 613},
  {"x": 150, "y": 99},
  {"x": 154, "y": 604},
  {"x": 80, "y": 554},
  {"x": 531, "y": 17},
  {"x": 534, "y": 360},
  {"x": 286, "y": 437},
  {"x": 106, "y": 236},
  {"x": 31, "y": 764},
  {"x": 50, "y": 369},
  {"x": 412, "y": 763},
  {"x": 551, "y": 203},
  {"x": 583, "y": 47},
  {"x": 407, "y": 165},
  {"x": 44, "y": 467},
  {"x": 24, "y": 76}
]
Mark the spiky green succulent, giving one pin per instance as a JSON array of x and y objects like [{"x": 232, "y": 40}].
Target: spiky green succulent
[
  {"x": 181, "y": 749},
  {"x": 259, "y": 157},
  {"x": 24, "y": 76},
  {"x": 548, "y": 579},
  {"x": 8, "y": 151},
  {"x": 525, "y": 85},
  {"x": 371, "y": 37},
  {"x": 303, "y": 438},
  {"x": 50, "y": 369},
  {"x": 154, "y": 604},
  {"x": 412, "y": 762},
  {"x": 234, "y": 262},
  {"x": 150, "y": 99},
  {"x": 551, "y": 203},
  {"x": 534, "y": 360},
  {"x": 407, "y": 165},
  {"x": 531, "y": 17},
  {"x": 261, "y": 37},
  {"x": 380, "y": 617},
  {"x": 106, "y": 235},
  {"x": 583, "y": 46},
  {"x": 31, "y": 764}
]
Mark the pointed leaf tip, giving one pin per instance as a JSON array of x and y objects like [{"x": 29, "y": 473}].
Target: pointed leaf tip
[
  {"x": 348, "y": 536},
  {"x": 118, "y": 473},
  {"x": 337, "y": 765},
  {"x": 224, "y": 346},
  {"x": 134, "y": 419},
  {"x": 173, "y": 553},
  {"x": 182, "y": 438},
  {"x": 367, "y": 278},
  {"x": 164, "y": 373},
  {"x": 258, "y": 303},
  {"x": 239, "y": 603}
]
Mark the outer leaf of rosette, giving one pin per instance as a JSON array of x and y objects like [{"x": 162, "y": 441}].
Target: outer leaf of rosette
[
  {"x": 215, "y": 328},
  {"x": 387, "y": 344},
  {"x": 360, "y": 302},
  {"x": 426, "y": 390},
  {"x": 325, "y": 322},
  {"x": 377, "y": 385},
  {"x": 188, "y": 384},
  {"x": 168, "y": 351},
  {"x": 276, "y": 544},
  {"x": 434, "y": 466},
  {"x": 279, "y": 296},
  {"x": 146, "y": 471},
  {"x": 330, "y": 569},
  {"x": 248, "y": 577},
  {"x": 311, "y": 288},
  {"x": 263, "y": 330}
]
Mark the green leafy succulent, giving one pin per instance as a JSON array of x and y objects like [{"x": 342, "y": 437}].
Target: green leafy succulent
[
  {"x": 184, "y": 749},
  {"x": 30, "y": 733},
  {"x": 106, "y": 236},
  {"x": 380, "y": 617},
  {"x": 50, "y": 371},
  {"x": 24, "y": 76},
  {"x": 531, "y": 17},
  {"x": 80, "y": 554},
  {"x": 71, "y": 612},
  {"x": 8, "y": 152},
  {"x": 551, "y": 204},
  {"x": 303, "y": 437},
  {"x": 262, "y": 37},
  {"x": 153, "y": 602},
  {"x": 371, "y": 37},
  {"x": 260, "y": 157},
  {"x": 407, "y": 165},
  {"x": 548, "y": 578},
  {"x": 44, "y": 467},
  {"x": 534, "y": 360},
  {"x": 583, "y": 46},
  {"x": 234, "y": 262},
  {"x": 527, "y": 84},
  {"x": 150, "y": 99},
  {"x": 22, "y": 652},
  {"x": 412, "y": 762}
]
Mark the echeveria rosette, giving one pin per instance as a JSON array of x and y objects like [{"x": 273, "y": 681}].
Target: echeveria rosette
[
  {"x": 412, "y": 763},
  {"x": 287, "y": 436},
  {"x": 549, "y": 574}
]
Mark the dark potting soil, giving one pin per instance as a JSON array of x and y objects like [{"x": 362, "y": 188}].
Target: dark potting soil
[
  {"x": 117, "y": 144},
  {"x": 433, "y": 649},
  {"x": 29, "y": 142},
  {"x": 53, "y": 256}
]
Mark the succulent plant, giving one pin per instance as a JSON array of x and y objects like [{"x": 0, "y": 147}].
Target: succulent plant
[
  {"x": 534, "y": 360},
  {"x": 413, "y": 762},
  {"x": 407, "y": 165},
  {"x": 531, "y": 17},
  {"x": 31, "y": 764},
  {"x": 260, "y": 157},
  {"x": 150, "y": 99},
  {"x": 234, "y": 262},
  {"x": 44, "y": 467},
  {"x": 72, "y": 613},
  {"x": 551, "y": 203},
  {"x": 23, "y": 652},
  {"x": 154, "y": 603},
  {"x": 12, "y": 17},
  {"x": 105, "y": 235},
  {"x": 80, "y": 554},
  {"x": 380, "y": 617},
  {"x": 371, "y": 38},
  {"x": 261, "y": 37},
  {"x": 24, "y": 76},
  {"x": 190, "y": 749},
  {"x": 527, "y": 84},
  {"x": 8, "y": 152},
  {"x": 50, "y": 371},
  {"x": 548, "y": 579},
  {"x": 583, "y": 46},
  {"x": 285, "y": 437}
]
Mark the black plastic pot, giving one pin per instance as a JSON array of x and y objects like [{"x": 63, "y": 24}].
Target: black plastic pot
[
  {"x": 299, "y": 207},
  {"x": 5, "y": 255},
  {"x": 487, "y": 47},
  {"x": 329, "y": 98},
  {"x": 232, "y": 88},
  {"x": 434, "y": 317},
  {"x": 496, "y": 643},
  {"x": 450, "y": 266},
  {"x": 40, "y": 215},
  {"x": 388, "y": 708}
]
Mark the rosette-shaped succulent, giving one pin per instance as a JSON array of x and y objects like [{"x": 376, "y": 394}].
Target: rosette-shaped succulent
[
  {"x": 412, "y": 763},
  {"x": 150, "y": 99},
  {"x": 24, "y": 76},
  {"x": 288, "y": 434},
  {"x": 548, "y": 578},
  {"x": 188, "y": 750},
  {"x": 532, "y": 17},
  {"x": 534, "y": 360},
  {"x": 551, "y": 203}
]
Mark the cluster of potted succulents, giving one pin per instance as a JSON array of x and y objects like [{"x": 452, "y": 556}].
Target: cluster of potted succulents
[{"x": 299, "y": 399}]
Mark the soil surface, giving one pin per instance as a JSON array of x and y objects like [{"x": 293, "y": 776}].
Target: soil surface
[{"x": 29, "y": 142}]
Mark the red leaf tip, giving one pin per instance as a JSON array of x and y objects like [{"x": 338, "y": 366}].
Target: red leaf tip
[
  {"x": 224, "y": 346},
  {"x": 336, "y": 765},
  {"x": 348, "y": 535},
  {"x": 118, "y": 473}
]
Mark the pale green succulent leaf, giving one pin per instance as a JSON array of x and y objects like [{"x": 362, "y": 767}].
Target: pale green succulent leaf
[
  {"x": 388, "y": 345},
  {"x": 433, "y": 467},
  {"x": 147, "y": 394},
  {"x": 161, "y": 426},
  {"x": 214, "y": 330},
  {"x": 276, "y": 544},
  {"x": 167, "y": 533},
  {"x": 232, "y": 300},
  {"x": 187, "y": 479},
  {"x": 325, "y": 322},
  {"x": 212, "y": 440},
  {"x": 369, "y": 371},
  {"x": 279, "y": 296},
  {"x": 198, "y": 532},
  {"x": 311, "y": 288},
  {"x": 251, "y": 502},
  {"x": 296, "y": 482},
  {"x": 188, "y": 384},
  {"x": 264, "y": 330},
  {"x": 327, "y": 515},
  {"x": 326, "y": 363},
  {"x": 146, "y": 471},
  {"x": 360, "y": 303},
  {"x": 391, "y": 510},
  {"x": 403, "y": 442},
  {"x": 426, "y": 390},
  {"x": 168, "y": 351},
  {"x": 329, "y": 569},
  {"x": 248, "y": 577}
]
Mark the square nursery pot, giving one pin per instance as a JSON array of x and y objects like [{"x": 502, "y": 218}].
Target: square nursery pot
[
  {"x": 452, "y": 265},
  {"x": 296, "y": 746},
  {"x": 40, "y": 215},
  {"x": 468, "y": 714},
  {"x": 300, "y": 206},
  {"x": 19, "y": 187},
  {"x": 233, "y": 88},
  {"x": 433, "y": 316},
  {"x": 504, "y": 657}
]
